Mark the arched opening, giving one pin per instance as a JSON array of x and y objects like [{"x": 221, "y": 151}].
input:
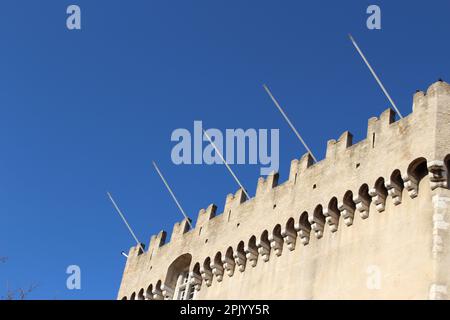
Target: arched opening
[
  {"x": 124, "y": 298},
  {"x": 195, "y": 280},
  {"x": 207, "y": 264},
  {"x": 289, "y": 234},
  {"x": 276, "y": 240},
  {"x": 347, "y": 208},
  {"x": 239, "y": 256},
  {"x": 264, "y": 246},
  {"x": 418, "y": 169},
  {"x": 333, "y": 205},
  {"x": 290, "y": 225},
  {"x": 140, "y": 295},
  {"x": 149, "y": 292},
  {"x": 379, "y": 186},
  {"x": 304, "y": 221},
  {"x": 229, "y": 253},
  {"x": 217, "y": 266},
  {"x": 363, "y": 193},
  {"x": 252, "y": 243},
  {"x": 332, "y": 214},
  {"x": 265, "y": 236},
  {"x": 228, "y": 261},
  {"x": 206, "y": 271},
  {"x": 396, "y": 177},
  {"x": 318, "y": 221},
  {"x": 240, "y": 248},
  {"x": 196, "y": 269},
  {"x": 133, "y": 296},
  {"x": 252, "y": 251},
  {"x": 277, "y": 231},
  {"x": 363, "y": 200},
  {"x": 177, "y": 281},
  {"x": 218, "y": 258},
  {"x": 395, "y": 187},
  {"x": 379, "y": 194},
  {"x": 304, "y": 228}
]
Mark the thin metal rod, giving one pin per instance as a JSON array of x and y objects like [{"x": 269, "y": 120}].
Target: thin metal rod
[
  {"x": 124, "y": 220},
  {"x": 288, "y": 121},
  {"x": 375, "y": 76},
  {"x": 226, "y": 164},
  {"x": 172, "y": 194}
]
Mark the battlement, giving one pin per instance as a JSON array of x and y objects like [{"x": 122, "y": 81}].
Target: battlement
[{"x": 352, "y": 183}]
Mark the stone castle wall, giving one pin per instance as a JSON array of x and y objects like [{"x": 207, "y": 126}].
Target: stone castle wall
[{"x": 367, "y": 222}]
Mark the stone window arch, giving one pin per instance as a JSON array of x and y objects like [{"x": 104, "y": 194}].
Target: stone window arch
[
  {"x": 229, "y": 253},
  {"x": 228, "y": 262},
  {"x": 276, "y": 240},
  {"x": 177, "y": 283}
]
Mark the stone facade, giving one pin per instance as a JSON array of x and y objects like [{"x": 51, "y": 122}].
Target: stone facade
[{"x": 370, "y": 221}]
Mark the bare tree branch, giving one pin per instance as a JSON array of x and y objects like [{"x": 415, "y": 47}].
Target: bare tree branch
[{"x": 19, "y": 294}]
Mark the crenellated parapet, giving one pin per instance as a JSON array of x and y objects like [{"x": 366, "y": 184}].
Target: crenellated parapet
[{"x": 318, "y": 202}]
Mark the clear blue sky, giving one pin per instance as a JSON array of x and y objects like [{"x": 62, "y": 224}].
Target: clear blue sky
[{"x": 85, "y": 112}]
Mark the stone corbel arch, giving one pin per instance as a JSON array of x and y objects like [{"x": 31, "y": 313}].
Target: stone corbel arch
[
  {"x": 347, "y": 208},
  {"x": 251, "y": 252},
  {"x": 303, "y": 228},
  {"x": 140, "y": 295},
  {"x": 217, "y": 267},
  {"x": 416, "y": 171},
  {"x": 317, "y": 221},
  {"x": 239, "y": 257},
  {"x": 196, "y": 277},
  {"x": 332, "y": 214},
  {"x": 276, "y": 240},
  {"x": 263, "y": 245},
  {"x": 362, "y": 201},
  {"x": 206, "y": 272},
  {"x": 379, "y": 194},
  {"x": 289, "y": 234},
  {"x": 228, "y": 262},
  {"x": 394, "y": 186}
]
